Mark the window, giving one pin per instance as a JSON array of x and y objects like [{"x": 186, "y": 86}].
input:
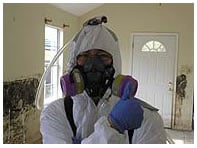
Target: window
[
  {"x": 153, "y": 46},
  {"x": 53, "y": 41}
]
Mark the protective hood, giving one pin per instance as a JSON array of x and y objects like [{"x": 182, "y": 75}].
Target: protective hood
[{"x": 95, "y": 37}]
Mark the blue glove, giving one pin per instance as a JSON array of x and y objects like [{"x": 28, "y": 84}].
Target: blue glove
[
  {"x": 76, "y": 140},
  {"x": 127, "y": 114}
]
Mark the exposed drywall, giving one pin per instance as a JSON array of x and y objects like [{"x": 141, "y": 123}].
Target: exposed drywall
[
  {"x": 125, "y": 19},
  {"x": 19, "y": 111},
  {"x": 183, "y": 102}
]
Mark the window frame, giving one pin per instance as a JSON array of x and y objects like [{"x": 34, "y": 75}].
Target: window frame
[{"x": 56, "y": 70}]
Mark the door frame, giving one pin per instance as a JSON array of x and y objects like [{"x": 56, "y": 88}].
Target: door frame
[{"x": 175, "y": 62}]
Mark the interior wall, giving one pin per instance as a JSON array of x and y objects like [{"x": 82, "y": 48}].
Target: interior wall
[
  {"x": 23, "y": 64},
  {"x": 125, "y": 19},
  {"x": 24, "y": 36}
]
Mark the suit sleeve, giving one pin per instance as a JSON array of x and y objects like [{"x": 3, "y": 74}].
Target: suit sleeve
[
  {"x": 55, "y": 128},
  {"x": 104, "y": 134},
  {"x": 151, "y": 131},
  {"x": 54, "y": 125}
]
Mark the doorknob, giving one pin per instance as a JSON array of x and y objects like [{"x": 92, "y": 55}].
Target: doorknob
[{"x": 170, "y": 86}]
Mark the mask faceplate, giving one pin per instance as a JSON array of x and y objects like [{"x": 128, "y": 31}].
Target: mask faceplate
[{"x": 96, "y": 77}]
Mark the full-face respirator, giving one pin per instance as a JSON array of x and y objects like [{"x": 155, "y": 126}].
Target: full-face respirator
[{"x": 96, "y": 69}]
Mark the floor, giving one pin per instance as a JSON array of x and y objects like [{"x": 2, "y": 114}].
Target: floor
[{"x": 181, "y": 137}]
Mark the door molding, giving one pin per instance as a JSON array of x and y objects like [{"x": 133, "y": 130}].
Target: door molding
[{"x": 175, "y": 62}]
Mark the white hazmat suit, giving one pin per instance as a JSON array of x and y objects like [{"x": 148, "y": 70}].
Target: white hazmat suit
[{"x": 91, "y": 120}]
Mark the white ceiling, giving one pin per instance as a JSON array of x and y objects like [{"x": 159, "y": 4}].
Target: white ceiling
[{"x": 77, "y": 9}]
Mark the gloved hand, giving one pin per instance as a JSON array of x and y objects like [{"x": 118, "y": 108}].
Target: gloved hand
[
  {"x": 76, "y": 140},
  {"x": 127, "y": 114}
]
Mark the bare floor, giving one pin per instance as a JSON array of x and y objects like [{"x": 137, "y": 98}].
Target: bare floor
[{"x": 181, "y": 137}]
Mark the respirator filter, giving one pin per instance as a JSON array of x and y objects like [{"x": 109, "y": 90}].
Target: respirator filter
[{"x": 73, "y": 84}]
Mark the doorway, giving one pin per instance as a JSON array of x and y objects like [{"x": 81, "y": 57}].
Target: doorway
[{"x": 154, "y": 63}]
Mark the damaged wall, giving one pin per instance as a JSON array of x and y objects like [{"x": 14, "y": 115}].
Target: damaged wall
[
  {"x": 19, "y": 112},
  {"x": 23, "y": 64},
  {"x": 183, "y": 101}
]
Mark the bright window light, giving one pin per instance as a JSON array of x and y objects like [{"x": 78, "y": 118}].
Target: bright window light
[
  {"x": 153, "y": 46},
  {"x": 53, "y": 41}
]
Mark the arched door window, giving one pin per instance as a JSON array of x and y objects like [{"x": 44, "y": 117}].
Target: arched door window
[{"x": 153, "y": 46}]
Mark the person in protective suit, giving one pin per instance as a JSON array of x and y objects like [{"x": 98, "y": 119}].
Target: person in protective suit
[{"x": 98, "y": 115}]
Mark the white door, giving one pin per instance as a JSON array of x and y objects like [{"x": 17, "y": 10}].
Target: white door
[{"x": 154, "y": 66}]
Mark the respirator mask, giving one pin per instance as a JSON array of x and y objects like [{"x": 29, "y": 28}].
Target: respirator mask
[
  {"x": 97, "y": 72},
  {"x": 97, "y": 77},
  {"x": 74, "y": 83}
]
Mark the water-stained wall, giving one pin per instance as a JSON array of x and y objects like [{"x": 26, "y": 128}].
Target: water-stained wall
[
  {"x": 20, "y": 117},
  {"x": 183, "y": 102}
]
